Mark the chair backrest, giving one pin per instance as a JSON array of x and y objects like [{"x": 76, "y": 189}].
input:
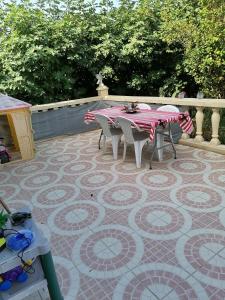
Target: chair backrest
[
  {"x": 104, "y": 123},
  {"x": 170, "y": 108},
  {"x": 143, "y": 106},
  {"x": 125, "y": 125}
]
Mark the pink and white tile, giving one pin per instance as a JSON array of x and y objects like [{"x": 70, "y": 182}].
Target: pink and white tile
[
  {"x": 160, "y": 220},
  {"x": 76, "y": 218},
  {"x": 159, "y": 180},
  {"x": 201, "y": 253},
  {"x": 118, "y": 232},
  {"x": 158, "y": 281},
  {"x": 108, "y": 251}
]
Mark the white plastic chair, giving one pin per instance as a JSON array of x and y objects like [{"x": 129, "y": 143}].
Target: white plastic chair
[
  {"x": 109, "y": 131},
  {"x": 170, "y": 108},
  {"x": 133, "y": 135},
  {"x": 161, "y": 133},
  {"x": 143, "y": 106}
]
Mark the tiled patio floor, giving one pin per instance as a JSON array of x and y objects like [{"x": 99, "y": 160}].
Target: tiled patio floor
[{"x": 121, "y": 233}]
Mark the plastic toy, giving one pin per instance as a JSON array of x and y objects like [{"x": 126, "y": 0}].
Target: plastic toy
[
  {"x": 4, "y": 154},
  {"x": 7, "y": 278},
  {"x": 21, "y": 240}
]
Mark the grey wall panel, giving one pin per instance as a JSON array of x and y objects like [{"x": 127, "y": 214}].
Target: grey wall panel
[{"x": 67, "y": 120}]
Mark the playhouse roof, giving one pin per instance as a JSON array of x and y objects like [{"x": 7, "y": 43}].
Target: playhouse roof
[{"x": 9, "y": 103}]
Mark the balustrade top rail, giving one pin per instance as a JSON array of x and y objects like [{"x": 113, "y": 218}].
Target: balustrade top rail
[
  {"x": 55, "y": 105},
  {"x": 214, "y": 103}
]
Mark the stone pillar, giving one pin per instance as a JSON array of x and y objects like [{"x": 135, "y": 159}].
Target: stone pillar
[
  {"x": 199, "y": 121},
  {"x": 102, "y": 90},
  {"x": 215, "y": 127}
]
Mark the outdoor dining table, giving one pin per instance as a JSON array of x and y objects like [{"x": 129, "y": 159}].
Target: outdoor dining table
[{"x": 145, "y": 119}]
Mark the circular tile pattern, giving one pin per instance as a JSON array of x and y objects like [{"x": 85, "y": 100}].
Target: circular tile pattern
[
  {"x": 215, "y": 178},
  {"x": 96, "y": 179},
  {"x": 164, "y": 281},
  {"x": 208, "y": 156},
  {"x": 76, "y": 218},
  {"x": 68, "y": 276},
  {"x": 108, "y": 251},
  {"x": 40, "y": 180},
  {"x": 51, "y": 151},
  {"x": 17, "y": 204},
  {"x": 55, "y": 195},
  {"x": 200, "y": 252},
  {"x": 77, "y": 144},
  {"x": 29, "y": 168},
  {"x": 88, "y": 149},
  {"x": 222, "y": 217},
  {"x": 9, "y": 191},
  {"x": 4, "y": 177},
  {"x": 188, "y": 166},
  {"x": 45, "y": 145},
  {"x": 184, "y": 149},
  {"x": 158, "y": 180},
  {"x": 160, "y": 220},
  {"x": 78, "y": 167},
  {"x": 62, "y": 159},
  {"x": 198, "y": 197},
  {"x": 122, "y": 196},
  {"x": 64, "y": 141},
  {"x": 125, "y": 168},
  {"x": 105, "y": 158}
]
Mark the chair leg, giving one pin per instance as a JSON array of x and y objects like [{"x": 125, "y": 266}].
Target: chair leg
[
  {"x": 115, "y": 144},
  {"x": 160, "y": 142},
  {"x": 104, "y": 143},
  {"x": 99, "y": 141},
  {"x": 154, "y": 148},
  {"x": 142, "y": 143},
  {"x": 137, "y": 149},
  {"x": 124, "y": 150}
]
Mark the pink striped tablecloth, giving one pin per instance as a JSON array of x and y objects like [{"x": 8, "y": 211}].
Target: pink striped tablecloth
[{"x": 146, "y": 119}]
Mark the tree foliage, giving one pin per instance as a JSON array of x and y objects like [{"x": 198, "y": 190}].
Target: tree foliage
[
  {"x": 198, "y": 26},
  {"x": 51, "y": 50}
]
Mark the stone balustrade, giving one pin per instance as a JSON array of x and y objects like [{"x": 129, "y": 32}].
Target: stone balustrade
[{"x": 200, "y": 104}]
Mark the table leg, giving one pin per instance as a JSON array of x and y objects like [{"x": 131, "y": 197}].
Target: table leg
[
  {"x": 160, "y": 142},
  {"x": 50, "y": 275}
]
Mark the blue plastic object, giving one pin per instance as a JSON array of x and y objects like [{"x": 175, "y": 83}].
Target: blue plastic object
[
  {"x": 22, "y": 277},
  {"x": 21, "y": 240},
  {"x": 6, "y": 285}
]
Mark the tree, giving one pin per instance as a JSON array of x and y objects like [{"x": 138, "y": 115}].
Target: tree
[
  {"x": 198, "y": 26},
  {"x": 51, "y": 50}
]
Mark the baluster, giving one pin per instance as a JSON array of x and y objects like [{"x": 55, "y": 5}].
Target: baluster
[
  {"x": 199, "y": 121},
  {"x": 185, "y": 136},
  {"x": 215, "y": 119}
]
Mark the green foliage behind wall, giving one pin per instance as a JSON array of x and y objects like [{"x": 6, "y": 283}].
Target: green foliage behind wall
[{"x": 51, "y": 50}]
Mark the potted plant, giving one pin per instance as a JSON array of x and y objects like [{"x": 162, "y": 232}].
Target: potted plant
[{"x": 3, "y": 219}]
